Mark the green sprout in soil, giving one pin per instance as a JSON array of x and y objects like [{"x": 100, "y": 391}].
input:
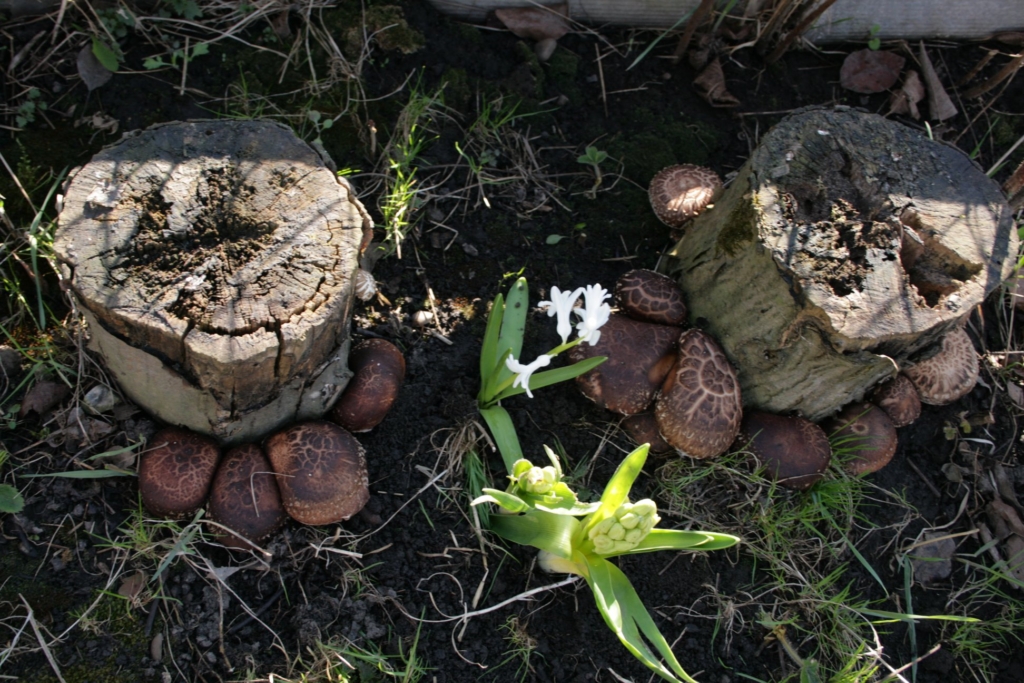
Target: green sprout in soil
[
  {"x": 593, "y": 158},
  {"x": 541, "y": 510}
]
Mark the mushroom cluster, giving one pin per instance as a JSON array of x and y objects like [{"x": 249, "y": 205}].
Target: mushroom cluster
[
  {"x": 677, "y": 391},
  {"x": 676, "y": 387},
  {"x": 314, "y": 472}
]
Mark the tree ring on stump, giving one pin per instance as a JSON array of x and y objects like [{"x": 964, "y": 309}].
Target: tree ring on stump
[
  {"x": 846, "y": 244},
  {"x": 214, "y": 262}
]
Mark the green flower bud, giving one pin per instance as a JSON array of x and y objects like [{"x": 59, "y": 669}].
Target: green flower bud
[{"x": 624, "y": 530}]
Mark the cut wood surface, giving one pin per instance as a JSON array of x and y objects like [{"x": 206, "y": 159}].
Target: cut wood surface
[
  {"x": 847, "y": 245},
  {"x": 223, "y": 250}
]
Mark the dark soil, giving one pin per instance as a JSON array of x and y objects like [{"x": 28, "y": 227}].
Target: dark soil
[{"x": 420, "y": 557}]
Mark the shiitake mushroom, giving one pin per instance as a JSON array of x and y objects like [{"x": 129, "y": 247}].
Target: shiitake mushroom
[
  {"x": 378, "y": 368},
  {"x": 795, "y": 451},
  {"x": 651, "y": 297},
  {"x": 866, "y": 433},
  {"x": 245, "y": 497},
  {"x": 639, "y": 355},
  {"x": 321, "y": 472},
  {"x": 700, "y": 408},
  {"x": 175, "y": 475}
]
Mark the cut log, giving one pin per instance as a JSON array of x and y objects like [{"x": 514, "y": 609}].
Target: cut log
[
  {"x": 214, "y": 261},
  {"x": 846, "y": 245}
]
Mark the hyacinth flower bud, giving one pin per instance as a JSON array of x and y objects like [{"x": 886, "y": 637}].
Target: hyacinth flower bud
[
  {"x": 624, "y": 530},
  {"x": 534, "y": 479}
]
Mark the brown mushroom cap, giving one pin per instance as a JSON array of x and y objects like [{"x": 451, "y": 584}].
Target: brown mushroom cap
[
  {"x": 321, "y": 471},
  {"x": 245, "y": 498},
  {"x": 795, "y": 451},
  {"x": 678, "y": 193},
  {"x": 948, "y": 375},
  {"x": 639, "y": 356},
  {"x": 379, "y": 370},
  {"x": 175, "y": 477},
  {"x": 700, "y": 408},
  {"x": 866, "y": 432},
  {"x": 643, "y": 428},
  {"x": 899, "y": 400},
  {"x": 651, "y": 297}
]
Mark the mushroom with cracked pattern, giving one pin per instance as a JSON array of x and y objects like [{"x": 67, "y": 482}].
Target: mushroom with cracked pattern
[
  {"x": 650, "y": 296},
  {"x": 948, "y": 375},
  {"x": 321, "y": 472},
  {"x": 700, "y": 408},
  {"x": 379, "y": 371},
  {"x": 899, "y": 399},
  {"x": 681, "y": 192},
  {"x": 795, "y": 451},
  {"x": 639, "y": 354},
  {"x": 866, "y": 433},
  {"x": 245, "y": 498},
  {"x": 175, "y": 476}
]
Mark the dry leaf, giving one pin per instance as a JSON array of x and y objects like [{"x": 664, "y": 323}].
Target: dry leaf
[
  {"x": 43, "y": 396},
  {"x": 133, "y": 586},
  {"x": 904, "y": 101},
  {"x": 933, "y": 561},
  {"x": 542, "y": 24},
  {"x": 870, "y": 71},
  {"x": 711, "y": 84},
  {"x": 92, "y": 72},
  {"x": 940, "y": 107},
  {"x": 1016, "y": 393},
  {"x": 1014, "y": 548}
]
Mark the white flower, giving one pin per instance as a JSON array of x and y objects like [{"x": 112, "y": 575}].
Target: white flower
[
  {"x": 523, "y": 372},
  {"x": 561, "y": 305},
  {"x": 595, "y": 313}
]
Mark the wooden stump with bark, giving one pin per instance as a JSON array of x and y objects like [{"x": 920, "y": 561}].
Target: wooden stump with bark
[
  {"x": 846, "y": 246},
  {"x": 214, "y": 263}
]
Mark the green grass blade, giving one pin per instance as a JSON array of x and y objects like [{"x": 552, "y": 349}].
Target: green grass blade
[
  {"x": 890, "y": 617},
  {"x": 84, "y": 474},
  {"x": 624, "y": 612},
  {"x": 548, "y": 377},
  {"x": 504, "y": 433},
  {"x": 489, "y": 348},
  {"x": 537, "y": 529}
]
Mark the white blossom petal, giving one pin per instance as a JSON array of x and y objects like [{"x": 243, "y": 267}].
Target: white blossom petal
[{"x": 523, "y": 372}]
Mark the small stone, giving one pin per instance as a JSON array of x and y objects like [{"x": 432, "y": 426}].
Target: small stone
[
  {"x": 933, "y": 561},
  {"x": 100, "y": 399}
]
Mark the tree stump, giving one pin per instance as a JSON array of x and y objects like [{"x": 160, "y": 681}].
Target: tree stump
[
  {"x": 847, "y": 245},
  {"x": 214, "y": 262}
]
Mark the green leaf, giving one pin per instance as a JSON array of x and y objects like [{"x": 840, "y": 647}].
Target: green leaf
[
  {"x": 10, "y": 499},
  {"x": 489, "y": 348},
  {"x": 624, "y": 613},
  {"x": 85, "y": 474},
  {"x": 503, "y": 499},
  {"x": 539, "y": 380},
  {"x": 675, "y": 539},
  {"x": 554, "y": 239},
  {"x": 200, "y": 49},
  {"x": 106, "y": 56},
  {"x": 617, "y": 490},
  {"x": 538, "y": 529},
  {"x": 153, "y": 63},
  {"x": 513, "y": 325},
  {"x": 504, "y": 433}
]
